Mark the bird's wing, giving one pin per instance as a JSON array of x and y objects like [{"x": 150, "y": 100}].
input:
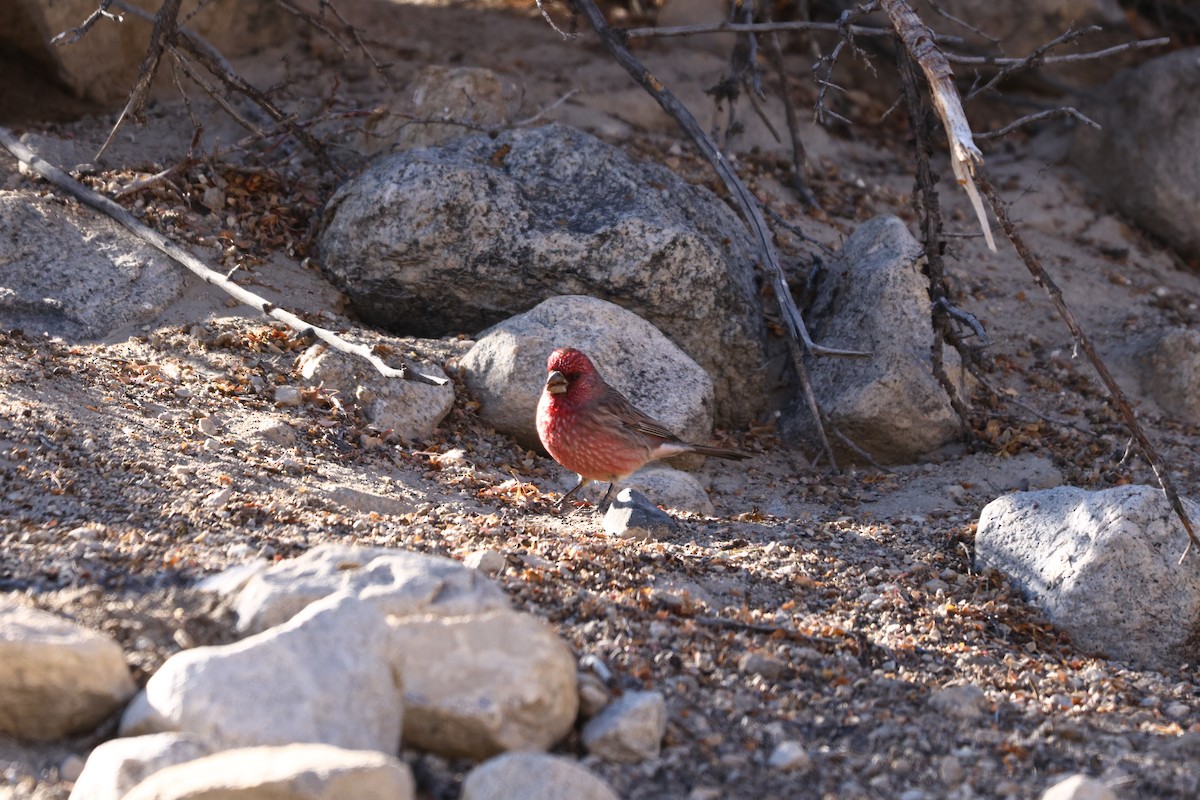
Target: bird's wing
[{"x": 630, "y": 417}]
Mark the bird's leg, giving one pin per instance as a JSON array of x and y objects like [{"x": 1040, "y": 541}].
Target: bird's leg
[
  {"x": 574, "y": 489},
  {"x": 604, "y": 502}
]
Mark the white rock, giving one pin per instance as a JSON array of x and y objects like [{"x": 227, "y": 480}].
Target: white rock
[
  {"x": 489, "y": 562},
  {"x": 966, "y": 701},
  {"x": 292, "y": 772},
  {"x": 118, "y": 765},
  {"x": 630, "y": 728},
  {"x": 397, "y": 582},
  {"x": 478, "y": 686},
  {"x": 1079, "y": 787},
  {"x": 672, "y": 488},
  {"x": 56, "y": 678},
  {"x": 633, "y": 516},
  {"x": 534, "y": 776},
  {"x": 287, "y": 396},
  {"x": 789, "y": 756},
  {"x": 1077, "y": 554},
  {"x": 411, "y": 409},
  {"x": 324, "y": 676}
]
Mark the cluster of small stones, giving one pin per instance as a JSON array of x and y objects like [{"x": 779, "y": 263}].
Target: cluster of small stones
[{"x": 352, "y": 656}]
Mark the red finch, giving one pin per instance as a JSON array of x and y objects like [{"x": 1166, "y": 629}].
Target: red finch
[{"x": 592, "y": 429}]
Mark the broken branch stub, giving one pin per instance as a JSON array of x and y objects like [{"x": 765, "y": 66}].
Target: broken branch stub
[{"x": 918, "y": 40}]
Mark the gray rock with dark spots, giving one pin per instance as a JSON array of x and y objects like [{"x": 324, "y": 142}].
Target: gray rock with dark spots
[
  {"x": 875, "y": 299},
  {"x": 456, "y": 238},
  {"x": 1104, "y": 565}
]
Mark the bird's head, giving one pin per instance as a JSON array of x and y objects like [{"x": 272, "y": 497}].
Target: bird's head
[{"x": 565, "y": 366}]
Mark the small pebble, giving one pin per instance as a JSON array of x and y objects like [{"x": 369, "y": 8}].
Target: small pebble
[
  {"x": 790, "y": 756},
  {"x": 71, "y": 768},
  {"x": 287, "y": 396},
  {"x": 489, "y": 562}
]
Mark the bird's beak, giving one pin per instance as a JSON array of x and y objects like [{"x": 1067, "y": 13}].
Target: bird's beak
[{"x": 556, "y": 382}]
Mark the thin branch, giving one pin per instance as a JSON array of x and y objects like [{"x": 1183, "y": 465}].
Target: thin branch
[
  {"x": 200, "y": 41},
  {"x": 799, "y": 158},
  {"x": 823, "y": 69},
  {"x": 1004, "y": 397},
  {"x": 236, "y": 83},
  {"x": 941, "y": 12},
  {"x": 964, "y": 317},
  {"x": 161, "y": 35},
  {"x": 1069, "y": 58},
  {"x": 1043, "y": 279},
  {"x": 928, "y": 208},
  {"x": 1034, "y": 59},
  {"x": 319, "y": 23},
  {"x": 212, "y": 92},
  {"x": 542, "y": 112},
  {"x": 78, "y": 33},
  {"x": 766, "y": 27},
  {"x": 197, "y": 267},
  {"x": 541, "y": 5},
  {"x": 1064, "y": 111},
  {"x": 746, "y": 203}
]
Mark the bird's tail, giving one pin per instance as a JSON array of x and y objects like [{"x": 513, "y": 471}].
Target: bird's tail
[{"x": 718, "y": 452}]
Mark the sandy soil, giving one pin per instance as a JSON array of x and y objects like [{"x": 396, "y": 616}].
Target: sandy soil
[{"x": 828, "y": 608}]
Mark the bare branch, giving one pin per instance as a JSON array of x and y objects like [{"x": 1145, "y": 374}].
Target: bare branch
[
  {"x": 212, "y": 92},
  {"x": 1043, "y": 279},
  {"x": 927, "y": 204},
  {"x": 541, "y": 4},
  {"x": 941, "y": 12},
  {"x": 799, "y": 158},
  {"x": 197, "y": 267},
  {"x": 236, "y": 83},
  {"x": 1065, "y": 111},
  {"x": 1034, "y": 59},
  {"x": 1069, "y": 58},
  {"x": 318, "y": 22},
  {"x": 161, "y": 35},
  {"x": 78, "y": 33},
  {"x": 767, "y": 27},
  {"x": 542, "y": 112}
]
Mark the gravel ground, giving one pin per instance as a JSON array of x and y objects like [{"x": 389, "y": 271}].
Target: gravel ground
[{"x": 840, "y": 611}]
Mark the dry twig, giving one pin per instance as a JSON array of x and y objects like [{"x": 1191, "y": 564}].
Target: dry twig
[
  {"x": 78, "y": 33},
  {"x": 928, "y": 207},
  {"x": 767, "y": 27},
  {"x": 799, "y": 159},
  {"x": 1064, "y": 111},
  {"x": 1043, "y": 279},
  {"x": 161, "y": 35},
  {"x": 197, "y": 267}
]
